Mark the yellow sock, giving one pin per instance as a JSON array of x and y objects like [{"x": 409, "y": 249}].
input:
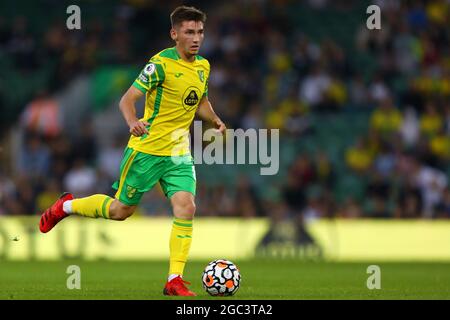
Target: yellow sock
[
  {"x": 180, "y": 243},
  {"x": 94, "y": 206}
]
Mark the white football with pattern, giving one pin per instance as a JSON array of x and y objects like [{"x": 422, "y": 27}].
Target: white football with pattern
[{"x": 221, "y": 278}]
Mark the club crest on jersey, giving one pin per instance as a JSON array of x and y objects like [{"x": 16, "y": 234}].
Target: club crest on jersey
[
  {"x": 130, "y": 191},
  {"x": 201, "y": 75}
]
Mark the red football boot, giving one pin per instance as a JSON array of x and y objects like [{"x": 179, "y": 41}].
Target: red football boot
[
  {"x": 176, "y": 287},
  {"x": 54, "y": 214}
]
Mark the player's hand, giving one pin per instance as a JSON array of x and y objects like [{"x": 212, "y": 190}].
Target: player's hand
[
  {"x": 220, "y": 126},
  {"x": 138, "y": 128}
]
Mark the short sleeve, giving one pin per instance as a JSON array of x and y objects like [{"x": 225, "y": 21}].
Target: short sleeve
[
  {"x": 151, "y": 76},
  {"x": 205, "y": 93}
]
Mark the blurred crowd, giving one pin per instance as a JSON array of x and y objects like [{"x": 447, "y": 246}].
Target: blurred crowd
[{"x": 267, "y": 72}]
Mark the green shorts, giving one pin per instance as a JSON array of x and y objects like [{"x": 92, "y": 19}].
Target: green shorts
[{"x": 139, "y": 172}]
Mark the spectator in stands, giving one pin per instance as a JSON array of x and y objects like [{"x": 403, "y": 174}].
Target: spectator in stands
[
  {"x": 385, "y": 161},
  {"x": 378, "y": 196},
  {"x": 350, "y": 209},
  {"x": 41, "y": 115},
  {"x": 386, "y": 119},
  {"x": 377, "y": 207},
  {"x": 34, "y": 158},
  {"x": 440, "y": 148},
  {"x": 109, "y": 158},
  {"x": 378, "y": 90},
  {"x": 358, "y": 91},
  {"x": 22, "y": 45},
  {"x": 410, "y": 128},
  {"x": 431, "y": 122},
  {"x": 304, "y": 171},
  {"x": 290, "y": 116},
  {"x": 81, "y": 179},
  {"x": 252, "y": 118},
  {"x": 293, "y": 194},
  {"x": 324, "y": 170},
  {"x": 7, "y": 189},
  {"x": 5, "y": 33},
  {"x": 24, "y": 198},
  {"x": 48, "y": 195},
  {"x": 409, "y": 201},
  {"x": 359, "y": 157},
  {"x": 85, "y": 142},
  {"x": 247, "y": 200},
  {"x": 314, "y": 208},
  {"x": 314, "y": 88},
  {"x": 224, "y": 202},
  {"x": 442, "y": 209},
  {"x": 431, "y": 183},
  {"x": 447, "y": 118},
  {"x": 335, "y": 95}
]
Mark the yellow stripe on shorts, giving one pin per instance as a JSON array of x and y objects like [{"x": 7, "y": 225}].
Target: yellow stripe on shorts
[{"x": 125, "y": 172}]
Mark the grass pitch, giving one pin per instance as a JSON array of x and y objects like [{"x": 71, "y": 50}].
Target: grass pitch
[{"x": 261, "y": 279}]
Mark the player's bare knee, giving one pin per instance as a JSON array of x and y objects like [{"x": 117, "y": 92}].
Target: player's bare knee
[
  {"x": 190, "y": 209},
  {"x": 185, "y": 210},
  {"x": 120, "y": 211},
  {"x": 127, "y": 211}
]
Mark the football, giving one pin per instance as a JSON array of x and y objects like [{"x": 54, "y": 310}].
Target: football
[{"x": 221, "y": 278}]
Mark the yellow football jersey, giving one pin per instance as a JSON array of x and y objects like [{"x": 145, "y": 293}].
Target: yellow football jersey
[{"x": 173, "y": 89}]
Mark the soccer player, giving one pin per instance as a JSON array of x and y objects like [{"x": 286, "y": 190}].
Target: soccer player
[{"x": 175, "y": 84}]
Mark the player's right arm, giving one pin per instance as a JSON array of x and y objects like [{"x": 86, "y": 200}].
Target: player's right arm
[
  {"x": 151, "y": 76},
  {"x": 127, "y": 106}
]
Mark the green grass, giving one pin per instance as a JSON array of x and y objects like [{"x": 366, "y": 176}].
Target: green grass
[{"x": 261, "y": 279}]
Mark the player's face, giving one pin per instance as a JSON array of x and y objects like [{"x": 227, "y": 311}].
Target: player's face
[{"x": 189, "y": 36}]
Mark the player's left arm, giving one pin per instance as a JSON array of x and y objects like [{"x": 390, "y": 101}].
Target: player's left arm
[{"x": 206, "y": 112}]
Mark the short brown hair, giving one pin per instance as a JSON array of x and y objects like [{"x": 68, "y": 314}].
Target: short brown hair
[{"x": 184, "y": 13}]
